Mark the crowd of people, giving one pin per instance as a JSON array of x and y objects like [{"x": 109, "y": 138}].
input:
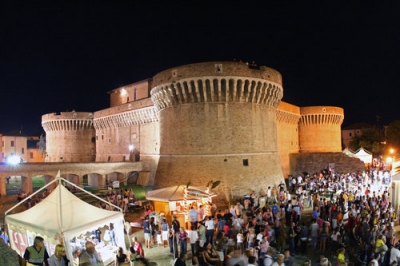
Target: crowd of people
[{"x": 351, "y": 214}]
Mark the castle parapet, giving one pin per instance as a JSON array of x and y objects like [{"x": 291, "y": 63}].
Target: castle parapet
[
  {"x": 319, "y": 128},
  {"x": 69, "y": 137},
  {"x": 217, "y": 82},
  {"x": 126, "y": 119},
  {"x": 67, "y": 121}
]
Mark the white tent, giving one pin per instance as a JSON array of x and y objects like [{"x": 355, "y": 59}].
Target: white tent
[
  {"x": 58, "y": 218},
  {"x": 348, "y": 152},
  {"x": 363, "y": 155}
]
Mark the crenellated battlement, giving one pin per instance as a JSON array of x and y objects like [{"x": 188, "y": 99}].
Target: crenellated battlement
[
  {"x": 311, "y": 119},
  {"x": 126, "y": 119},
  {"x": 287, "y": 117},
  {"x": 217, "y": 90},
  {"x": 319, "y": 124},
  {"x": 67, "y": 121},
  {"x": 318, "y": 115}
]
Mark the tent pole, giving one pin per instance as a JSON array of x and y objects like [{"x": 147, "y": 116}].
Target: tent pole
[
  {"x": 93, "y": 195},
  {"x": 59, "y": 204},
  {"x": 22, "y": 201}
]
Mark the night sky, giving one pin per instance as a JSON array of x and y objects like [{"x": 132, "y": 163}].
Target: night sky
[{"x": 58, "y": 57}]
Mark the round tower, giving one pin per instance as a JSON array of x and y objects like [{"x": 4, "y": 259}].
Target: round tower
[
  {"x": 218, "y": 122},
  {"x": 69, "y": 137},
  {"x": 319, "y": 129}
]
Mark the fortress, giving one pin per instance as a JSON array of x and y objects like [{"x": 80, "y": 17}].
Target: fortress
[{"x": 200, "y": 122}]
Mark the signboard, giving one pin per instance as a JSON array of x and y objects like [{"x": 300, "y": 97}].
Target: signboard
[
  {"x": 115, "y": 184},
  {"x": 331, "y": 167},
  {"x": 20, "y": 241}
]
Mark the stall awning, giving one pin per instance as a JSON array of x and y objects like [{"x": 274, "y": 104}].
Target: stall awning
[{"x": 176, "y": 193}]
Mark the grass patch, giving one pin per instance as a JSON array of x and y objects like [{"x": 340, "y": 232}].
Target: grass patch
[
  {"x": 38, "y": 181},
  {"x": 138, "y": 191}
]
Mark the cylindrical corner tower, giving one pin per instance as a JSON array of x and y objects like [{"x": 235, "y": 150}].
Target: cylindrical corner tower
[
  {"x": 218, "y": 122},
  {"x": 319, "y": 129},
  {"x": 69, "y": 137}
]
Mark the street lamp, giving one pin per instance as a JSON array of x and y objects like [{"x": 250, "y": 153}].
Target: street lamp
[{"x": 131, "y": 148}]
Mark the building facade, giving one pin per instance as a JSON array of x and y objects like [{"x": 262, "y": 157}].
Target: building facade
[{"x": 20, "y": 146}]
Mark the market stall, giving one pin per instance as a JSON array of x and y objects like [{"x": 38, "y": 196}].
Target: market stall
[
  {"x": 177, "y": 200},
  {"x": 62, "y": 218}
]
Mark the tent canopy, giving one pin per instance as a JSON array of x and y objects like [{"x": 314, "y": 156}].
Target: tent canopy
[
  {"x": 59, "y": 218},
  {"x": 60, "y": 212},
  {"x": 176, "y": 193},
  {"x": 363, "y": 155},
  {"x": 348, "y": 152}
]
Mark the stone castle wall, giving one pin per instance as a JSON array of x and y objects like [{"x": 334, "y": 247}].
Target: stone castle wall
[
  {"x": 213, "y": 111},
  {"x": 287, "y": 124},
  {"x": 216, "y": 120},
  {"x": 319, "y": 129},
  {"x": 317, "y": 161},
  {"x": 69, "y": 137}
]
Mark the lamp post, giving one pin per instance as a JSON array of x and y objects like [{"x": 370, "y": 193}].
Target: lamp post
[
  {"x": 131, "y": 148},
  {"x": 391, "y": 151}
]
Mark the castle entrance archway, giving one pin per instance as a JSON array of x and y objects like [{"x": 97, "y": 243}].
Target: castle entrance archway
[
  {"x": 73, "y": 179},
  {"x": 132, "y": 178},
  {"x": 95, "y": 180},
  {"x": 13, "y": 185},
  {"x": 115, "y": 176}
]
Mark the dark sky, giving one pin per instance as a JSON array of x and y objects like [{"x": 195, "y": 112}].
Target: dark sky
[{"x": 62, "y": 56}]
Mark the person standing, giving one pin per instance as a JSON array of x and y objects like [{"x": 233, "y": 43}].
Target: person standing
[
  {"x": 193, "y": 216},
  {"x": 183, "y": 240},
  {"x": 164, "y": 231},
  {"x": 292, "y": 235},
  {"x": 210, "y": 229},
  {"x": 193, "y": 237},
  {"x": 147, "y": 232},
  {"x": 37, "y": 254},
  {"x": 111, "y": 232},
  {"x": 59, "y": 257},
  {"x": 314, "y": 233},
  {"x": 175, "y": 229},
  {"x": 202, "y": 234},
  {"x": 201, "y": 212},
  {"x": 4, "y": 236}
]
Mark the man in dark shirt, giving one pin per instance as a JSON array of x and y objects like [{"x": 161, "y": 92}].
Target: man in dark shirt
[
  {"x": 175, "y": 228},
  {"x": 37, "y": 254},
  {"x": 146, "y": 231},
  {"x": 181, "y": 261}
]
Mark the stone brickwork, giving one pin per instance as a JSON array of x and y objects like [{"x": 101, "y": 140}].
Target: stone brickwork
[
  {"x": 319, "y": 129},
  {"x": 315, "y": 162},
  {"x": 69, "y": 137},
  {"x": 215, "y": 120},
  {"x": 287, "y": 123},
  {"x": 210, "y": 112}
]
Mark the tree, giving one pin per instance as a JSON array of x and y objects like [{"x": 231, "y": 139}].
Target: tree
[
  {"x": 393, "y": 135},
  {"x": 371, "y": 139}
]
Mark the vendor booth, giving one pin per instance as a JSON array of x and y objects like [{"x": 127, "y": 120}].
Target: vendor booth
[
  {"x": 62, "y": 218},
  {"x": 172, "y": 201},
  {"x": 363, "y": 155}
]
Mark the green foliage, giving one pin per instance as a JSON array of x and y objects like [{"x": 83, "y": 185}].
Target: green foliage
[
  {"x": 215, "y": 184},
  {"x": 371, "y": 139},
  {"x": 211, "y": 184},
  {"x": 393, "y": 135}
]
